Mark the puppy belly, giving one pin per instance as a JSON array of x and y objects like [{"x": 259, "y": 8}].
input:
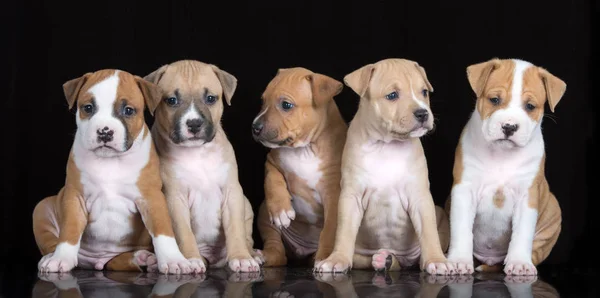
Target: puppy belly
[{"x": 301, "y": 239}]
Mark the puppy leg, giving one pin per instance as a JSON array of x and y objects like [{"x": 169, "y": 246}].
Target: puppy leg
[
  {"x": 462, "y": 216},
  {"x": 273, "y": 251},
  {"x": 330, "y": 206},
  {"x": 258, "y": 257},
  {"x": 277, "y": 196},
  {"x": 133, "y": 261},
  {"x": 45, "y": 229},
  {"x": 443, "y": 227},
  {"x": 234, "y": 225},
  {"x": 518, "y": 259},
  {"x": 547, "y": 230}
]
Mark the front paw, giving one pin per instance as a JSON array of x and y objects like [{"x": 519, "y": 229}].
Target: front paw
[
  {"x": 56, "y": 263},
  {"x": 461, "y": 265},
  {"x": 281, "y": 215},
  {"x": 174, "y": 265},
  {"x": 243, "y": 264},
  {"x": 198, "y": 265},
  {"x": 439, "y": 266},
  {"x": 144, "y": 258},
  {"x": 516, "y": 267},
  {"x": 336, "y": 262}
]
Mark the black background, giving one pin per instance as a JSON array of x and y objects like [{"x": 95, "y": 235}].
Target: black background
[{"x": 49, "y": 42}]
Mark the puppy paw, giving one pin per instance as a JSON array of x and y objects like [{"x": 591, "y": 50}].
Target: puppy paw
[
  {"x": 144, "y": 258},
  {"x": 63, "y": 281},
  {"x": 245, "y": 277},
  {"x": 272, "y": 257},
  {"x": 281, "y": 294},
  {"x": 461, "y": 266},
  {"x": 281, "y": 215},
  {"x": 382, "y": 280},
  {"x": 336, "y": 262},
  {"x": 258, "y": 256},
  {"x": 439, "y": 267},
  {"x": 520, "y": 279},
  {"x": 174, "y": 265},
  {"x": 244, "y": 264},
  {"x": 382, "y": 260},
  {"x": 519, "y": 268},
  {"x": 55, "y": 263},
  {"x": 198, "y": 265}
]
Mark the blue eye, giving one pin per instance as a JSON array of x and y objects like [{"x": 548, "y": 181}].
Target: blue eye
[
  {"x": 172, "y": 101},
  {"x": 530, "y": 107},
  {"x": 392, "y": 96},
  {"x": 286, "y": 105},
  {"x": 424, "y": 92},
  {"x": 211, "y": 99}
]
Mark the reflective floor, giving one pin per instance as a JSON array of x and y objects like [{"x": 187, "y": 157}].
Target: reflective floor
[{"x": 290, "y": 282}]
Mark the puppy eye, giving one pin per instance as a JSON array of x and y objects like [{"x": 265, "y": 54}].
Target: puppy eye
[
  {"x": 172, "y": 101},
  {"x": 495, "y": 100},
  {"x": 128, "y": 111},
  {"x": 88, "y": 108},
  {"x": 392, "y": 96},
  {"x": 529, "y": 107},
  {"x": 211, "y": 99},
  {"x": 424, "y": 92},
  {"x": 286, "y": 105}
]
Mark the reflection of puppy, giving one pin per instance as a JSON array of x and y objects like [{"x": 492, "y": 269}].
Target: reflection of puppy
[
  {"x": 301, "y": 122},
  {"x": 212, "y": 218},
  {"x": 360, "y": 283},
  {"x": 387, "y": 218},
  {"x": 111, "y": 209},
  {"x": 501, "y": 208}
]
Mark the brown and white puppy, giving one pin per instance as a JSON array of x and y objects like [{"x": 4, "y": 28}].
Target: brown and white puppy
[
  {"x": 501, "y": 209},
  {"x": 387, "y": 218},
  {"x": 111, "y": 209},
  {"x": 211, "y": 216},
  {"x": 300, "y": 121}
]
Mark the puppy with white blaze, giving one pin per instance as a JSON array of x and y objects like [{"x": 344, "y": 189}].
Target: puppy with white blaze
[
  {"x": 211, "y": 216},
  {"x": 111, "y": 212},
  {"x": 502, "y": 213}
]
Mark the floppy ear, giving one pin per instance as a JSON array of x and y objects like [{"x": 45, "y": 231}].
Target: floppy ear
[
  {"x": 478, "y": 74},
  {"x": 156, "y": 75},
  {"x": 72, "y": 87},
  {"x": 555, "y": 88},
  {"x": 422, "y": 71},
  {"x": 359, "y": 79},
  {"x": 152, "y": 93},
  {"x": 323, "y": 87},
  {"x": 228, "y": 82}
]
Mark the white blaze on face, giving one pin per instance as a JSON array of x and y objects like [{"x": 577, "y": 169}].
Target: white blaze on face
[
  {"x": 105, "y": 95},
  {"x": 190, "y": 114},
  {"x": 513, "y": 114},
  {"x": 420, "y": 131}
]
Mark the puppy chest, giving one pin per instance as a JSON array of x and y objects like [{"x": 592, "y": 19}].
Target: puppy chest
[
  {"x": 301, "y": 169},
  {"x": 202, "y": 175},
  {"x": 385, "y": 167},
  {"x": 111, "y": 221},
  {"x": 206, "y": 216}
]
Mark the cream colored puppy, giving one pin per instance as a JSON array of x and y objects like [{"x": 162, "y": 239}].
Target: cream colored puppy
[
  {"x": 211, "y": 216},
  {"x": 501, "y": 209},
  {"x": 387, "y": 218}
]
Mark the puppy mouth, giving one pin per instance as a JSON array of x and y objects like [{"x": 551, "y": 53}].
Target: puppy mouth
[
  {"x": 105, "y": 147},
  {"x": 280, "y": 143}
]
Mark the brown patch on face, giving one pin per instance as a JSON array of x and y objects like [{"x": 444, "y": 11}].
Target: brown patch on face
[
  {"x": 499, "y": 198},
  {"x": 534, "y": 93},
  {"x": 294, "y": 103},
  {"x": 492, "y": 82}
]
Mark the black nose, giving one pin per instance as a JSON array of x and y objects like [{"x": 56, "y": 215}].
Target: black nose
[
  {"x": 422, "y": 115},
  {"x": 509, "y": 129},
  {"x": 257, "y": 127},
  {"x": 105, "y": 135},
  {"x": 194, "y": 125}
]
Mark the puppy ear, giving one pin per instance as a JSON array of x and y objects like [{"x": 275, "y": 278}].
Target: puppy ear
[
  {"x": 228, "y": 82},
  {"x": 156, "y": 75},
  {"x": 555, "y": 88},
  {"x": 72, "y": 87},
  {"x": 359, "y": 79},
  {"x": 323, "y": 87},
  {"x": 422, "y": 71},
  {"x": 478, "y": 74},
  {"x": 152, "y": 93}
]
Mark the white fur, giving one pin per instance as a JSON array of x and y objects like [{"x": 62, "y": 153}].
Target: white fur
[
  {"x": 260, "y": 115},
  {"x": 416, "y": 99},
  {"x": 63, "y": 259},
  {"x": 104, "y": 93},
  {"x": 167, "y": 252},
  {"x": 478, "y": 227},
  {"x": 190, "y": 114}
]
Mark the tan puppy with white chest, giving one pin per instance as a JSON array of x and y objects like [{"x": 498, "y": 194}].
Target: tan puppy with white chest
[
  {"x": 501, "y": 209},
  {"x": 301, "y": 122},
  {"x": 111, "y": 209},
  {"x": 387, "y": 218},
  {"x": 212, "y": 218}
]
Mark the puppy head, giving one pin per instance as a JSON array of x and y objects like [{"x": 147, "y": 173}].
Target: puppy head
[
  {"x": 511, "y": 94},
  {"x": 110, "y": 109},
  {"x": 395, "y": 96},
  {"x": 191, "y": 107},
  {"x": 294, "y": 104}
]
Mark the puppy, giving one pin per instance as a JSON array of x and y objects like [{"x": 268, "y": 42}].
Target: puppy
[
  {"x": 302, "y": 125},
  {"x": 111, "y": 209},
  {"x": 387, "y": 218},
  {"x": 501, "y": 209},
  {"x": 211, "y": 216}
]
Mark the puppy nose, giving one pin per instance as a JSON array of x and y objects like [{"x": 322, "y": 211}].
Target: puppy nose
[
  {"x": 422, "y": 115},
  {"x": 509, "y": 129},
  {"x": 105, "y": 135},
  {"x": 257, "y": 127},
  {"x": 194, "y": 125}
]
